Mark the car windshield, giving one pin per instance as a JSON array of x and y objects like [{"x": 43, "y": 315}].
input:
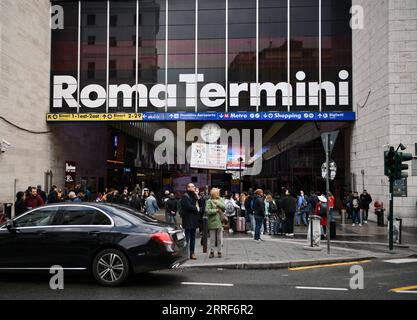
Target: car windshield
[{"x": 136, "y": 214}]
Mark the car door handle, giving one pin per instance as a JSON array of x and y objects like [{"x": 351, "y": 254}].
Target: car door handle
[{"x": 94, "y": 233}]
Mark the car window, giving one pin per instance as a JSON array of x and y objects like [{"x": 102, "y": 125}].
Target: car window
[
  {"x": 41, "y": 217},
  {"x": 101, "y": 219},
  {"x": 76, "y": 216},
  {"x": 126, "y": 209}
]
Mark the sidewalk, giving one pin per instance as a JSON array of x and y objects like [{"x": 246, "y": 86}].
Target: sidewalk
[
  {"x": 369, "y": 232},
  {"x": 240, "y": 251},
  {"x": 244, "y": 253}
]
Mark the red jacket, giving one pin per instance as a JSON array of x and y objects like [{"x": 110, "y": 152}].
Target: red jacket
[
  {"x": 323, "y": 220},
  {"x": 32, "y": 202}
]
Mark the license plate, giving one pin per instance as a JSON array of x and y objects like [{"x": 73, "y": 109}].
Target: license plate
[{"x": 180, "y": 235}]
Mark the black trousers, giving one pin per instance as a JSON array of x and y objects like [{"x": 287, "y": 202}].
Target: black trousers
[{"x": 289, "y": 222}]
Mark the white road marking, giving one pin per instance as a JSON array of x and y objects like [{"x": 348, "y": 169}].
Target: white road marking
[
  {"x": 414, "y": 292},
  {"x": 73, "y": 269},
  {"x": 322, "y": 288},
  {"x": 208, "y": 284},
  {"x": 399, "y": 261}
]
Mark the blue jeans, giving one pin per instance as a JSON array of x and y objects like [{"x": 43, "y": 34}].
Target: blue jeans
[
  {"x": 356, "y": 216},
  {"x": 331, "y": 217},
  {"x": 301, "y": 218},
  {"x": 190, "y": 237},
  {"x": 172, "y": 219},
  {"x": 259, "y": 221}
]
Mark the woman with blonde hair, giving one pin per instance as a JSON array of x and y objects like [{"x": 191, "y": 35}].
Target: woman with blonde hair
[{"x": 215, "y": 208}]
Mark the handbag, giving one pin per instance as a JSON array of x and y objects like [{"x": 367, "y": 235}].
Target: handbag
[{"x": 223, "y": 218}]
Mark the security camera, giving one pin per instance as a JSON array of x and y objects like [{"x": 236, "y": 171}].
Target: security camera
[{"x": 6, "y": 143}]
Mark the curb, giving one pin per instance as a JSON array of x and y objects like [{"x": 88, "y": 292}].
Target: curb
[{"x": 275, "y": 264}]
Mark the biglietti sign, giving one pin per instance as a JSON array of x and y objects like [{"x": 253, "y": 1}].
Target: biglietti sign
[{"x": 161, "y": 102}]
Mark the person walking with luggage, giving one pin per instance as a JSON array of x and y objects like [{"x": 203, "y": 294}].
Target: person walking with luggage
[
  {"x": 215, "y": 209},
  {"x": 258, "y": 213},
  {"x": 289, "y": 205},
  {"x": 189, "y": 213},
  {"x": 356, "y": 204},
  {"x": 302, "y": 209},
  {"x": 171, "y": 209},
  {"x": 365, "y": 201}
]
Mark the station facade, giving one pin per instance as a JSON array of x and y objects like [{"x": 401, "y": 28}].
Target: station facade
[{"x": 294, "y": 68}]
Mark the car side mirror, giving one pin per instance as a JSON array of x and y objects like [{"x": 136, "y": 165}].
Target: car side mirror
[{"x": 10, "y": 225}]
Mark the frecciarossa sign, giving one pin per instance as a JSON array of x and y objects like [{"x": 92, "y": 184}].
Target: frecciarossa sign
[{"x": 211, "y": 95}]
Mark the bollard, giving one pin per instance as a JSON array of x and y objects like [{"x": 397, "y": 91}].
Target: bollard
[
  {"x": 343, "y": 212},
  {"x": 314, "y": 234},
  {"x": 400, "y": 228}
]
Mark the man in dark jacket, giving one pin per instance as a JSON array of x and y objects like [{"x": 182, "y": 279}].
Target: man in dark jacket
[
  {"x": 365, "y": 201},
  {"x": 249, "y": 202},
  {"x": 53, "y": 195},
  {"x": 171, "y": 209},
  {"x": 190, "y": 214},
  {"x": 33, "y": 200},
  {"x": 259, "y": 213},
  {"x": 41, "y": 193},
  {"x": 289, "y": 205}
]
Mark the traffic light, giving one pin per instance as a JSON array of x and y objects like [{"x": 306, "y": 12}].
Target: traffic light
[
  {"x": 389, "y": 162},
  {"x": 401, "y": 157}
]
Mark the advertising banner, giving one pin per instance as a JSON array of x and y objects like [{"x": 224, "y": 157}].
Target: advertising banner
[{"x": 208, "y": 156}]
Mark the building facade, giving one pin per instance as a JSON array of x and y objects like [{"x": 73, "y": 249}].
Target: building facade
[{"x": 176, "y": 56}]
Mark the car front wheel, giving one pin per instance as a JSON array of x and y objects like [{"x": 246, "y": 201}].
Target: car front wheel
[{"x": 110, "y": 267}]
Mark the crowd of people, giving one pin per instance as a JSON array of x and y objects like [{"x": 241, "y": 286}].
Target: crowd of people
[{"x": 255, "y": 211}]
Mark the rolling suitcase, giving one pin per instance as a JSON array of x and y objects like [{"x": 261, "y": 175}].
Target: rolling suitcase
[{"x": 240, "y": 224}]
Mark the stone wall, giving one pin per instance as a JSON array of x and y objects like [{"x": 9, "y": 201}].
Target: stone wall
[
  {"x": 24, "y": 93},
  {"x": 384, "y": 66}
]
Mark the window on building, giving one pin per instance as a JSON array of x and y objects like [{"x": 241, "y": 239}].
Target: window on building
[
  {"x": 112, "y": 42},
  {"x": 91, "y": 71},
  {"x": 113, "y": 21},
  {"x": 91, "y": 19},
  {"x": 112, "y": 69},
  {"x": 91, "y": 40}
]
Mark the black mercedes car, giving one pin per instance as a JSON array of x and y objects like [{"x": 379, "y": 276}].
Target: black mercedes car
[{"x": 110, "y": 241}]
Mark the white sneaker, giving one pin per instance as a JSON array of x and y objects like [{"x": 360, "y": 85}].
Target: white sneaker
[
  {"x": 353, "y": 224},
  {"x": 360, "y": 224},
  {"x": 365, "y": 221},
  {"x": 230, "y": 231}
]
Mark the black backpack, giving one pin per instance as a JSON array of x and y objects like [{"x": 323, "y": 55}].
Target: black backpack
[{"x": 273, "y": 207}]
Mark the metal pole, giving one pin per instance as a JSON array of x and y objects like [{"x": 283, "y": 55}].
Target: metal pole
[
  {"x": 205, "y": 232},
  {"x": 13, "y": 213},
  {"x": 391, "y": 213},
  {"x": 240, "y": 176},
  {"x": 311, "y": 231},
  {"x": 328, "y": 190}
]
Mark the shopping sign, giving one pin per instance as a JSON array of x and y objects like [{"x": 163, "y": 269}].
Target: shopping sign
[{"x": 208, "y": 156}]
